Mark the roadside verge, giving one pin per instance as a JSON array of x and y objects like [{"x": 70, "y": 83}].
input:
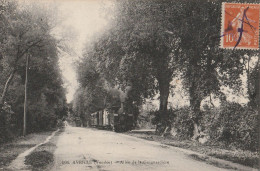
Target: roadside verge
[
  {"x": 14, "y": 153},
  {"x": 42, "y": 158},
  {"x": 10, "y": 150},
  {"x": 210, "y": 154}
]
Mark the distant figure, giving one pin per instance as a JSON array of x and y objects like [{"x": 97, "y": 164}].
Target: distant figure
[
  {"x": 237, "y": 23},
  {"x": 66, "y": 123}
]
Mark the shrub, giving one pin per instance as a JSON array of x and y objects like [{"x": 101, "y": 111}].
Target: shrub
[
  {"x": 232, "y": 124},
  {"x": 39, "y": 159},
  {"x": 5, "y": 123},
  {"x": 161, "y": 122},
  {"x": 183, "y": 123}
]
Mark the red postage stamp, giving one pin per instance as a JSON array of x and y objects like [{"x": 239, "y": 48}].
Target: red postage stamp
[{"x": 240, "y": 26}]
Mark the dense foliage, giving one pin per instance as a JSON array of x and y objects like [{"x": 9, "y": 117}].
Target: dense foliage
[
  {"x": 152, "y": 42},
  {"x": 26, "y": 31},
  {"x": 230, "y": 124}
]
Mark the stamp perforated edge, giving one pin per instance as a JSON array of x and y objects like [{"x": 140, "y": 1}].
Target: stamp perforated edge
[
  {"x": 222, "y": 29},
  {"x": 222, "y": 24}
]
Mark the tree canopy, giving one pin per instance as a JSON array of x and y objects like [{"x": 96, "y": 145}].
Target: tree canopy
[
  {"x": 151, "y": 43},
  {"x": 26, "y": 31}
]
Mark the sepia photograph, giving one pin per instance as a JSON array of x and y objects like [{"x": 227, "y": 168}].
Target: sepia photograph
[{"x": 129, "y": 85}]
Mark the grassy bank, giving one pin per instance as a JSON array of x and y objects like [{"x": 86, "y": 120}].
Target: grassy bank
[
  {"x": 9, "y": 151},
  {"x": 42, "y": 158},
  {"x": 243, "y": 157}
]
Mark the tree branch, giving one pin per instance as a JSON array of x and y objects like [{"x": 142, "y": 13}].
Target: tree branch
[
  {"x": 7, "y": 83},
  {"x": 28, "y": 48}
]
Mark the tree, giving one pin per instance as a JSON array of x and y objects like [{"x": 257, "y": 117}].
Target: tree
[
  {"x": 251, "y": 67},
  {"x": 139, "y": 51},
  {"x": 91, "y": 95},
  {"x": 200, "y": 53},
  {"x": 27, "y": 31},
  {"x": 24, "y": 31},
  {"x": 204, "y": 66},
  {"x": 149, "y": 43}
]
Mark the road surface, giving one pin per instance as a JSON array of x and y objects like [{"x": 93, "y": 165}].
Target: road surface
[{"x": 89, "y": 149}]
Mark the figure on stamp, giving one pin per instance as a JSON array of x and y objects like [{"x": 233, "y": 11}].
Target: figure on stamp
[{"x": 240, "y": 28}]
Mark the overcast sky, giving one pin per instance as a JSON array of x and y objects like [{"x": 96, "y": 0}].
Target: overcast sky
[{"x": 82, "y": 19}]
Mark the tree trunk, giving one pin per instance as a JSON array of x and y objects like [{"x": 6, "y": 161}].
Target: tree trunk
[
  {"x": 164, "y": 94},
  {"x": 196, "y": 114},
  {"x": 164, "y": 87},
  {"x": 196, "y": 131},
  {"x": 257, "y": 87},
  {"x": 258, "y": 90},
  {"x": 25, "y": 97},
  {"x": 7, "y": 83}
]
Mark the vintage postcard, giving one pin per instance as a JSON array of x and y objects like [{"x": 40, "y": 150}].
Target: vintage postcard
[{"x": 129, "y": 85}]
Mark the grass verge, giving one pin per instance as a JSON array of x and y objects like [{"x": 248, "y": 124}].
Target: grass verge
[
  {"x": 246, "y": 158},
  {"x": 9, "y": 151},
  {"x": 42, "y": 158}
]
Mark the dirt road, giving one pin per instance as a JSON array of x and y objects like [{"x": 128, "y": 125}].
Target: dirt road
[{"x": 89, "y": 149}]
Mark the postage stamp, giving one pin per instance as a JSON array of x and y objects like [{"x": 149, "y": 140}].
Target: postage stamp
[{"x": 240, "y": 26}]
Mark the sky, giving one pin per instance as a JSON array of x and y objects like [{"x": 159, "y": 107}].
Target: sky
[{"x": 80, "y": 20}]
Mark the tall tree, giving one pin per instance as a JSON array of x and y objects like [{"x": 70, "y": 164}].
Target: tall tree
[
  {"x": 140, "y": 51},
  {"x": 27, "y": 31},
  {"x": 204, "y": 66},
  {"x": 250, "y": 63},
  {"x": 26, "y": 28}
]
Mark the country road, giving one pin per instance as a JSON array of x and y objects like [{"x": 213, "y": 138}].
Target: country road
[{"x": 89, "y": 149}]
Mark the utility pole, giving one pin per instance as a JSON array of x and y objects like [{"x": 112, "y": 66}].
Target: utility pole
[{"x": 25, "y": 96}]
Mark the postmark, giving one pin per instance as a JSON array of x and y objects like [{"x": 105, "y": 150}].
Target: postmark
[{"x": 240, "y": 26}]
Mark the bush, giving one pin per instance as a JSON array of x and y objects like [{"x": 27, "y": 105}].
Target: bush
[
  {"x": 160, "y": 121},
  {"x": 183, "y": 123},
  {"x": 39, "y": 159},
  {"x": 5, "y": 123},
  {"x": 233, "y": 124}
]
